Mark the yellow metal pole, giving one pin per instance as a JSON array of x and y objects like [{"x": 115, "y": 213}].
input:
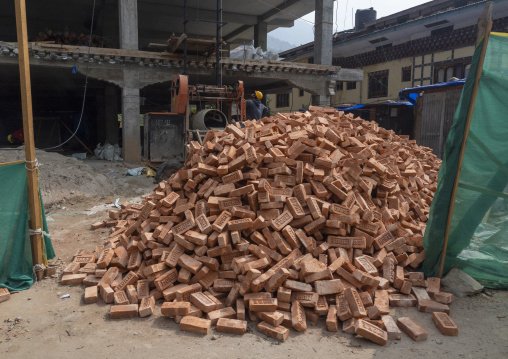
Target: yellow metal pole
[{"x": 28, "y": 134}]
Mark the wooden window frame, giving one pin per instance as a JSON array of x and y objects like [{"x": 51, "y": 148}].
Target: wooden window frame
[
  {"x": 282, "y": 100},
  {"x": 378, "y": 84}
]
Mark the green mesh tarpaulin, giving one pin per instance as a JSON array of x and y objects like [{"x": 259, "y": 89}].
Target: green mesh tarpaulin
[
  {"x": 15, "y": 250},
  {"x": 478, "y": 241}
]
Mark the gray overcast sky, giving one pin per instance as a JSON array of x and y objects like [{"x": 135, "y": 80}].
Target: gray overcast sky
[{"x": 343, "y": 14}]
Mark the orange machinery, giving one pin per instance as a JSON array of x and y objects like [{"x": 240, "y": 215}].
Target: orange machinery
[{"x": 166, "y": 134}]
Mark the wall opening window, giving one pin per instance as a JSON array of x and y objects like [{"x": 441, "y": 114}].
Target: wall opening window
[
  {"x": 445, "y": 71},
  {"x": 340, "y": 86},
  {"x": 406, "y": 74},
  {"x": 378, "y": 84},
  {"x": 310, "y": 60},
  {"x": 282, "y": 100},
  {"x": 351, "y": 85},
  {"x": 301, "y": 93},
  {"x": 440, "y": 75},
  {"x": 442, "y": 30}
]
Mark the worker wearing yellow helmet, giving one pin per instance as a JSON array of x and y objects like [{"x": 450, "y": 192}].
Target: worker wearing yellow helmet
[{"x": 254, "y": 108}]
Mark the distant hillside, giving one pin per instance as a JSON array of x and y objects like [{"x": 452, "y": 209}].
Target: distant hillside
[
  {"x": 278, "y": 45},
  {"x": 301, "y": 33},
  {"x": 274, "y": 45}
]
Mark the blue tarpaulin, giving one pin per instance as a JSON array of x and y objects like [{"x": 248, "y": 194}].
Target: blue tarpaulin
[
  {"x": 411, "y": 93},
  {"x": 386, "y": 103}
]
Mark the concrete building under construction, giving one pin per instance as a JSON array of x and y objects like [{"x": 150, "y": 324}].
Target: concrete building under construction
[{"x": 137, "y": 49}]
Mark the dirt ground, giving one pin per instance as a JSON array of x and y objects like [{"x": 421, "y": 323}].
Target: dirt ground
[
  {"x": 36, "y": 323},
  {"x": 63, "y": 178}
]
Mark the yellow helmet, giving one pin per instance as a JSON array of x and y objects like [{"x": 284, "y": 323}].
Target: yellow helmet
[{"x": 259, "y": 95}]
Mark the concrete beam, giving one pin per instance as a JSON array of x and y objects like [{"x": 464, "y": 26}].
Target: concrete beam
[
  {"x": 276, "y": 10},
  {"x": 266, "y": 17},
  {"x": 146, "y": 75},
  {"x": 236, "y": 32},
  {"x": 156, "y": 9}
]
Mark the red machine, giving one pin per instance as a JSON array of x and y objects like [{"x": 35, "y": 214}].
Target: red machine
[
  {"x": 195, "y": 109},
  {"x": 219, "y": 100}
]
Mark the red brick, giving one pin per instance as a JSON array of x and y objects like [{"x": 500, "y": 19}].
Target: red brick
[
  {"x": 231, "y": 326},
  {"x": 331, "y": 319},
  {"x": 278, "y": 333},
  {"x": 123, "y": 311},
  {"x": 195, "y": 325},
  {"x": 263, "y": 305},
  {"x": 445, "y": 324},
  {"x": 146, "y": 306},
  {"x": 91, "y": 295},
  {"x": 412, "y": 329},
  {"x": 391, "y": 327},
  {"x": 221, "y": 313},
  {"x": 73, "y": 279},
  {"x": 175, "y": 308},
  {"x": 371, "y": 332}
]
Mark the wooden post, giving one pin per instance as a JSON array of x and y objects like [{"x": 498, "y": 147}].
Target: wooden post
[
  {"x": 483, "y": 20},
  {"x": 34, "y": 201},
  {"x": 463, "y": 144}
]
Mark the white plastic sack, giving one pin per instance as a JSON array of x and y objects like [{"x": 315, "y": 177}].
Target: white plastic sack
[{"x": 108, "y": 152}]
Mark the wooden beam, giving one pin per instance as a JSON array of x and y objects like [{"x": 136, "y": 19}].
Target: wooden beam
[
  {"x": 34, "y": 201},
  {"x": 77, "y": 138},
  {"x": 177, "y": 43},
  {"x": 469, "y": 117}
]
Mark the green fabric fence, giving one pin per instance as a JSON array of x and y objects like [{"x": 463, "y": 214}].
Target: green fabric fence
[
  {"x": 478, "y": 241},
  {"x": 16, "y": 267}
]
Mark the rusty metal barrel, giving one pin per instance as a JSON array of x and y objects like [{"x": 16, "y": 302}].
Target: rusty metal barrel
[{"x": 209, "y": 120}]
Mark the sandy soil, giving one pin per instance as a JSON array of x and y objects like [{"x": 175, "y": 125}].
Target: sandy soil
[
  {"x": 65, "y": 179},
  {"x": 61, "y": 328}
]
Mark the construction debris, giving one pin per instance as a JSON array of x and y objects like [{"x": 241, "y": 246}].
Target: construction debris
[
  {"x": 286, "y": 220},
  {"x": 460, "y": 283},
  {"x": 5, "y": 295},
  {"x": 68, "y": 37}
]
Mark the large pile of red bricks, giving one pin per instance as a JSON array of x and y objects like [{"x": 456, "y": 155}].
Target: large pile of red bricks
[{"x": 288, "y": 219}]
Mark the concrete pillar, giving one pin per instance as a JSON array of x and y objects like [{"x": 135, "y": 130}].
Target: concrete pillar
[
  {"x": 323, "y": 37},
  {"x": 131, "y": 135},
  {"x": 128, "y": 20},
  {"x": 111, "y": 114},
  {"x": 261, "y": 35},
  {"x": 131, "y": 142}
]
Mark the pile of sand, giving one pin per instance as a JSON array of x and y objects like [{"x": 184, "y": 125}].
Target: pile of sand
[{"x": 63, "y": 178}]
